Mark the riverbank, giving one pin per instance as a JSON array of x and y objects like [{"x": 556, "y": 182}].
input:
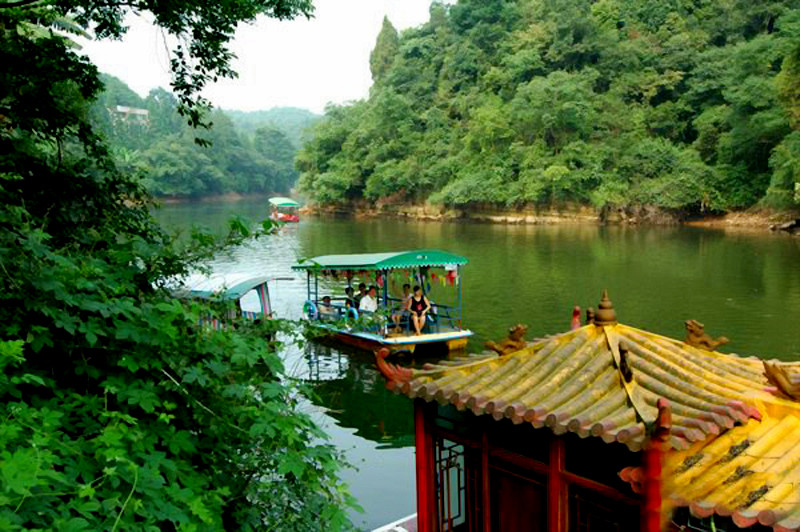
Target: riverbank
[{"x": 567, "y": 214}]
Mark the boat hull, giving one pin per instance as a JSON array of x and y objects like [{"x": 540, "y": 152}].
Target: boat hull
[
  {"x": 290, "y": 218},
  {"x": 422, "y": 344}
]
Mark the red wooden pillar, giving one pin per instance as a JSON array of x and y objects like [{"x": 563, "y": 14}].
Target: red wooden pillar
[
  {"x": 486, "y": 496},
  {"x": 652, "y": 459},
  {"x": 557, "y": 488},
  {"x": 426, "y": 496}
]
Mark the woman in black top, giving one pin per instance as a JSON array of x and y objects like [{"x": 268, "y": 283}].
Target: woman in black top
[{"x": 419, "y": 307}]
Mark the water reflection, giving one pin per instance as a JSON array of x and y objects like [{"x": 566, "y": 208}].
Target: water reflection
[{"x": 348, "y": 384}]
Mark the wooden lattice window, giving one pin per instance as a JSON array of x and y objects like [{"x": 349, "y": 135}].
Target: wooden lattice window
[{"x": 450, "y": 484}]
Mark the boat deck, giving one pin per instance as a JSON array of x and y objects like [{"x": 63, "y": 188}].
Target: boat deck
[
  {"x": 402, "y": 339},
  {"x": 423, "y": 338}
]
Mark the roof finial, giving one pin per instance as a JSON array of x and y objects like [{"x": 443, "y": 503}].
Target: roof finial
[{"x": 606, "y": 315}]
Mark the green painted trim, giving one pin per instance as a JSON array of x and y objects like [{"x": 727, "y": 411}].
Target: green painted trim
[
  {"x": 383, "y": 261},
  {"x": 283, "y": 202}
]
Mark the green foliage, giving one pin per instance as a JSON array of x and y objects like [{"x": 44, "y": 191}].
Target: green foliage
[
  {"x": 784, "y": 189},
  {"x": 687, "y": 107},
  {"x": 382, "y": 56},
  {"x": 278, "y": 154},
  {"x": 117, "y": 410}
]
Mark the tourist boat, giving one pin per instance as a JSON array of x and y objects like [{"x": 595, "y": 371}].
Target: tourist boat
[
  {"x": 284, "y": 210},
  {"x": 233, "y": 296},
  {"x": 438, "y": 273}
]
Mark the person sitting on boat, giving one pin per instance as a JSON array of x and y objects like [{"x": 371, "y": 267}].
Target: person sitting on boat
[
  {"x": 362, "y": 293},
  {"x": 402, "y": 309},
  {"x": 326, "y": 311},
  {"x": 419, "y": 306},
  {"x": 370, "y": 301}
]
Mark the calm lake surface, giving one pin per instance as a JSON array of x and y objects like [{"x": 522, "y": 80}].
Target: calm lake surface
[{"x": 743, "y": 285}]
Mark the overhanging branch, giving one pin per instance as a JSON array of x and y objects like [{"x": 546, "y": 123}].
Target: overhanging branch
[{"x": 18, "y": 3}]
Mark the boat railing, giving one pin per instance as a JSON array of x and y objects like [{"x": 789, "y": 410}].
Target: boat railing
[
  {"x": 440, "y": 317},
  {"x": 440, "y": 314},
  {"x": 446, "y": 314},
  {"x": 350, "y": 317}
]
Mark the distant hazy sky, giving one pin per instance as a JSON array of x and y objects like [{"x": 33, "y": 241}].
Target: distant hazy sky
[{"x": 300, "y": 63}]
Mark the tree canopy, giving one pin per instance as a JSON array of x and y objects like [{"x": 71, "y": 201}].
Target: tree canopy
[
  {"x": 117, "y": 409},
  {"x": 686, "y": 106},
  {"x": 382, "y": 56}
]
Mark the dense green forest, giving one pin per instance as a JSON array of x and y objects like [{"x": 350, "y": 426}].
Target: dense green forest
[
  {"x": 245, "y": 152},
  {"x": 117, "y": 410},
  {"x": 687, "y": 105},
  {"x": 291, "y": 121}
]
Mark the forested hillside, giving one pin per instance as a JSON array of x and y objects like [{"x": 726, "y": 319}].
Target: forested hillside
[
  {"x": 161, "y": 147},
  {"x": 291, "y": 121},
  {"x": 689, "y": 105}
]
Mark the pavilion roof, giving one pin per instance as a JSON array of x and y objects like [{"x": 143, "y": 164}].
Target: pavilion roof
[
  {"x": 573, "y": 383},
  {"x": 734, "y": 445}
]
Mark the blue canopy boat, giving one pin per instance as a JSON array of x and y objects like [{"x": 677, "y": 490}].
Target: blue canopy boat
[{"x": 328, "y": 275}]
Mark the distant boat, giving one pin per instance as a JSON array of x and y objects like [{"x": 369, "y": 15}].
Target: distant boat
[
  {"x": 389, "y": 326},
  {"x": 284, "y": 210}
]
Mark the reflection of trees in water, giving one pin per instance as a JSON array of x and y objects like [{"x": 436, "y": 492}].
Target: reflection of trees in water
[
  {"x": 324, "y": 363},
  {"x": 348, "y": 385}
]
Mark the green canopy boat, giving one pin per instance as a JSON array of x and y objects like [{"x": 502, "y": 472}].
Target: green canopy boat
[
  {"x": 329, "y": 308},
  {"x": 284, "y": 209}
]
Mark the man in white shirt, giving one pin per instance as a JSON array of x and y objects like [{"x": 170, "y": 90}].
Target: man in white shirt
[{"x": 370, "y": 301}]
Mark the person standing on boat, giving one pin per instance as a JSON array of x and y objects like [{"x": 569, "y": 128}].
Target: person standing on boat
[
  {"x": 370, "y": 301},
  {"x": 419, "y": 307}
]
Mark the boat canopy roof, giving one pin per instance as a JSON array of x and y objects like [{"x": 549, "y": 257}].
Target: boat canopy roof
[
  {"x": 224, "y": 286},
  {"x": 383, "y": 261},
  {"x": 283, "y": 202}
]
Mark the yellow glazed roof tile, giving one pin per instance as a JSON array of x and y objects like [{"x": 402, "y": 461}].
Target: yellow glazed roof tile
[
  {"x": 751, "y": 472},
  {"x": 577, "y": 382}
]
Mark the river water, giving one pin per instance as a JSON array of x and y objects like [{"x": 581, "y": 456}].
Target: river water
[{"x": 743, "y": 285}]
